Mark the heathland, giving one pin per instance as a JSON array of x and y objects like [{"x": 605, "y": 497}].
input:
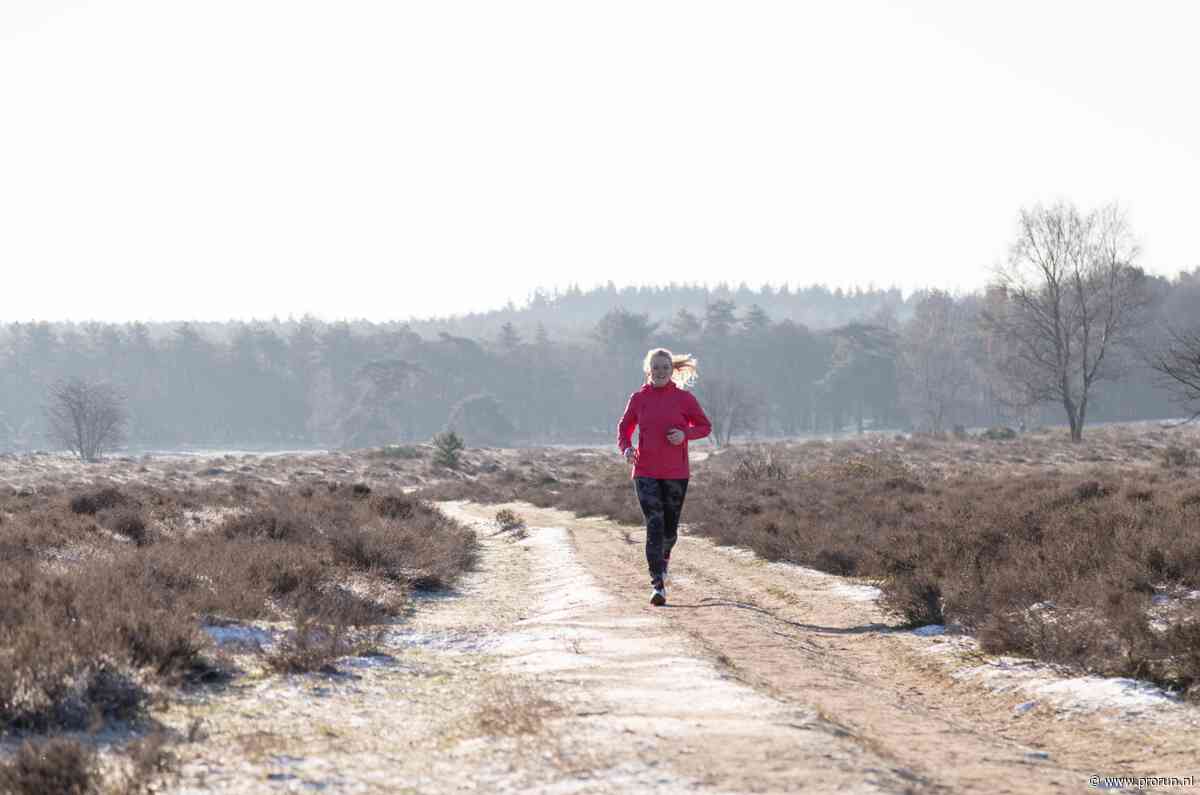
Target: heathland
[{"x": 247, "y": 623}]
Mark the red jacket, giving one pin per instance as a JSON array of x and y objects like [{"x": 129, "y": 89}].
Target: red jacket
[{"x": 654, "y": 411}]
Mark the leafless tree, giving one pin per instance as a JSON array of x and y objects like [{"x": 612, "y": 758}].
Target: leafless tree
[
  {"x": 935, "y": 369},
  {"x": 1069, "y": 296},
  {"x": 86, "y": 417},
  {"x": 1179, "y": 363},
  {"x": 731, "y": 407}
]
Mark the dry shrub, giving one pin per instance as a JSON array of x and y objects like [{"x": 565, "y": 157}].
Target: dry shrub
[
  {"x": 59, "y": 766},
  {"x": 509, "y": 710},
  {"x": 63, "y": 662},
  {"x": 395, "y": 506},
  {"x": 1175, "y": 456},
  {"x": 126, "y": 521},
  {"x": 150, "y": 761},
  {"x": 758, "y": 464},
  {"x": 276, "y": 523},
  {"x": 95, "y": 501},
  {"x": 404, "y": 452},
  {"x": 310, "y": 647},
  {"x": 871, "y": 466},
  {"x": 375, "y": 550},
  {"x": 511, "y": 522},
  {"x": 915, "y": 597}
]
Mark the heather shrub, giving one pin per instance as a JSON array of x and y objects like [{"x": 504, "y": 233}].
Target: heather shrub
[
  {"x": 92, "y": 502},
  {"x": 59, "y": 766},
  {"x": 309, "y": 647},
  {"x": 510, "y": 522},
  {"x": 916, "y": 597},
  {"x": 395, "y": 506},
  {"x": 404, "y": 452},
  {"x": 276, "y": 523},
  {"x": 1174, "y": 455},
  {"x": 125, "y": 521},
  {"x": 758, "y": 464}
]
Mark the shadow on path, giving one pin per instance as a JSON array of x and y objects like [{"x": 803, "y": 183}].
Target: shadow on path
[{"x": 712, "y": 602}]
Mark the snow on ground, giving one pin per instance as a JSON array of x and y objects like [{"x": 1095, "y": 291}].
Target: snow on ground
[
  {"x": 1047, "y": 683},
  {"x": 240, "y": 636}
]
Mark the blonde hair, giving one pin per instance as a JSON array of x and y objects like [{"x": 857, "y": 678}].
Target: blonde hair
[{"x": 684, "y": 372}]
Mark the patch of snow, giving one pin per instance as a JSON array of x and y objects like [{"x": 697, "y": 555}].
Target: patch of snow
[
  {"x": 235, "y": 635},
  {"x": 1086, "y": 691},
  {"x": 449, "y": 641},
  {"x": 856, "y": 593},
  {"x": 929, "y": 630},
  {"x": 738, "y": 552},
  {"x": 370, "y": 661},
  {"x": 1053, "y": 685},
  {"x": 1070, "y": 693}
]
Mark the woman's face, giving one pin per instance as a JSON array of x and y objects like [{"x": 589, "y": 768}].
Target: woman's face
[{"x": 660, "y": 370}]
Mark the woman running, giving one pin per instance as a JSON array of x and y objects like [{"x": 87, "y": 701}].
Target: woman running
[{"x": 666, "y": 417}]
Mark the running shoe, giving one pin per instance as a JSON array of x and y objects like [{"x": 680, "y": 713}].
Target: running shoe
[{"x": 659, "y": 597}]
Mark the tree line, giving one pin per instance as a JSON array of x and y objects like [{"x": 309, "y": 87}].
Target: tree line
[{"x": 1071, "y": 329}]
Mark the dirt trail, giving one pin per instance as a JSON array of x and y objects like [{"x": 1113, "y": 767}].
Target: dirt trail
[
  {"x": 874, "y": 700},
  {"x": 654, "y": 703},
  {"x": 548, "y": 671}
]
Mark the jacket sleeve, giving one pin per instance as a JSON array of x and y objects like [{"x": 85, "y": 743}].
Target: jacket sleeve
[
  {"x": 626, "y": 425},
  {"x": 698, "y": 424}
]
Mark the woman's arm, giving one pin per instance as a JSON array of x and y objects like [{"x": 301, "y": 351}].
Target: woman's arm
[
  {"x": 698, "y": 424},
  {"x": 626, "y": 425}
]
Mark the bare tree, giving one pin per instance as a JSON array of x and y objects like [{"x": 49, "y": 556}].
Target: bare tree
[
  {"x": 935, "y": 368},
  {"x": 86, "y": 417},
  {"x": 1067, "y": 298},
  {"x": 731, "y": 407},
  {"x": 1179, "y": 363}
]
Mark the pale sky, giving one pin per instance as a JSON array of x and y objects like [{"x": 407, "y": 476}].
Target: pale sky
[{"x": 216, "y": 159}]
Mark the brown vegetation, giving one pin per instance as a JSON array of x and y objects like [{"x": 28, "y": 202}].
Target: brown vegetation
[
  {"x": 58, "y": 765},
  {"x": 103, "y": 593}
]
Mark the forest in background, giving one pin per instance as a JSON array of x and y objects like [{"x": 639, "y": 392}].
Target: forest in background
[{"x": 773, "y": 361}]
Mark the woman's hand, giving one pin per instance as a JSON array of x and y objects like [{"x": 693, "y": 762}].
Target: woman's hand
[
  {"x": 630, "y": 454},
  {"x": 675, "y": 436}
]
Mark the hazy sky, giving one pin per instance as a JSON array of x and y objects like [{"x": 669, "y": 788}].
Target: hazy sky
[{"x": 163, "y": 160}]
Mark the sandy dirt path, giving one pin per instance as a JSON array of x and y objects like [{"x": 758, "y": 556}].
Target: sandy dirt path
[
  {"x": 872, "y": 707},
  {"x": 663, "y": 713}
]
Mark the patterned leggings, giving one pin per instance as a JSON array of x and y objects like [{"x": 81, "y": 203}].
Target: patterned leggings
[{"x": 662, "y": 502}]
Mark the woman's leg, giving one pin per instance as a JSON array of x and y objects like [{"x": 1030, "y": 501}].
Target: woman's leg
[
  {"x": 672, "y": 493},
  {"x": 650, "y": 498}
]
